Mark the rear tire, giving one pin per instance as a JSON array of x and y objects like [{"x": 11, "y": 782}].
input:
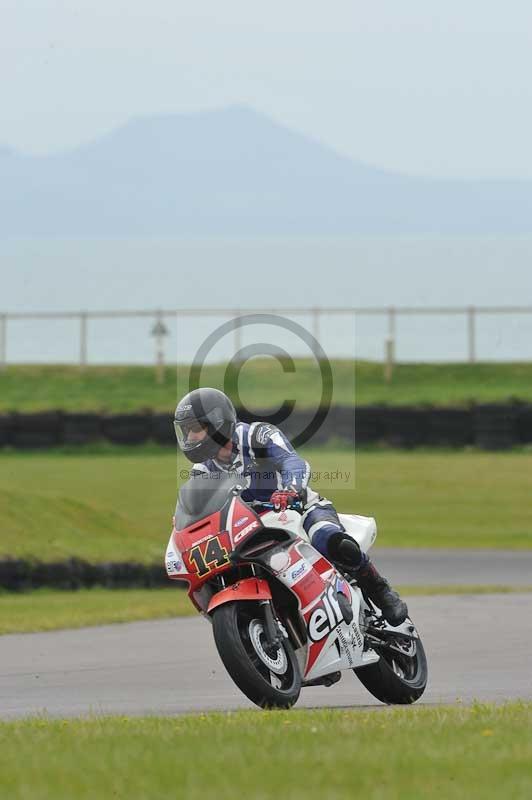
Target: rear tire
[
  {"x": 237, "y": 629},
  {"x": 385, "y": 681}
]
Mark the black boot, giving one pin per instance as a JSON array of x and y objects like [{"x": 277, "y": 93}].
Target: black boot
[
  {"x": 344, "y": 551},
  {"x": 394, "y": 610}
]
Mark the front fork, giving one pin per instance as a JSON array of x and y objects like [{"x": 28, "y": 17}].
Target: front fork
[{"x": 272, "y": 629}]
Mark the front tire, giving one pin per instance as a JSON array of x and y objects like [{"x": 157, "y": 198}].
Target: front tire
[
  {"x": 396, "y": 679},
  {"x": 269, "y": 682}
]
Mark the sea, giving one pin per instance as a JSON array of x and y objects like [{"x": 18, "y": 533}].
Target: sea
[{"x": 295, "y": 282}]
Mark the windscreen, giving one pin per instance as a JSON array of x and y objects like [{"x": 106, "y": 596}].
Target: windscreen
[{"x": 203, "y": 495}]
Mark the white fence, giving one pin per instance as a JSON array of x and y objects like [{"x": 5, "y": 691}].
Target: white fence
[{"x": 466, "y": 318}]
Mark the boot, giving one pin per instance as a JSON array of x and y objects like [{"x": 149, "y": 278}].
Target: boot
[
  {"x": 347, "y": 554},
  {"x": 394, "y": 610}
]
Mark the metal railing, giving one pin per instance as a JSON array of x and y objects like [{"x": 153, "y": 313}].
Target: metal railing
[{"x": 390, "y": 313}]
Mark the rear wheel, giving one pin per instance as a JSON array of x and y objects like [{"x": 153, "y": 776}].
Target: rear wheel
[
  {"x": 271, "y": 680},
  {"x": 400, "y": 675}
]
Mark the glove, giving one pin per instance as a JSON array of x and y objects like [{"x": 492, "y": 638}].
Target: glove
[{"x": 283, "y": 498}]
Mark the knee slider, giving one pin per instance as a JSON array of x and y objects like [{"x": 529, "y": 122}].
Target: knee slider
[{"x": 345, "y": 550}]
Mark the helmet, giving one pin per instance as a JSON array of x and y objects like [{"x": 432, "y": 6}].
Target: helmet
[{"x": 207, "y": 409}]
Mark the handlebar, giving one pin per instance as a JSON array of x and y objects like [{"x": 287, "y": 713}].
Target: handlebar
[{"x": 296, "y": 505}]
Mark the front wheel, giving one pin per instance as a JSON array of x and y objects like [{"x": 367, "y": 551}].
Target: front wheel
[
  {"x": 269, "y": 680},
  {"x": 399, "y": 676}
]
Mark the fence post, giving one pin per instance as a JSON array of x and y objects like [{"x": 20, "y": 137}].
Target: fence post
[
  {"x": 389, "y": 346},
  {"x": 83, "y": 340},
  {"x": 3, "y": 341},
  {"x": 471, "y": 334},
  {"x": 390, "y": 359},
  {"x": 159, "y": 331}
]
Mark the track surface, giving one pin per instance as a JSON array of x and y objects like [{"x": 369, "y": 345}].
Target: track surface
[
  {"x": 424, "y": 566},
  {"x": 478, "y": 648}
]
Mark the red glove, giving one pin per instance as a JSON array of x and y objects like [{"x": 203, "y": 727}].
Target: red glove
[{"x": 283, "y": 498}]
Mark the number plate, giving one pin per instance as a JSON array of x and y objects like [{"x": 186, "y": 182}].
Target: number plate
[{"x": 209, "y": 555}]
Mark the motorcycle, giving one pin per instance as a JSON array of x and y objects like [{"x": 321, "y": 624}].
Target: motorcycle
[{"x": 283, "y": 616}]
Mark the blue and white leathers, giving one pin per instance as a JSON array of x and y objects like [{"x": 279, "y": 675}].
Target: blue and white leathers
[{"x": 266, "y": 460}]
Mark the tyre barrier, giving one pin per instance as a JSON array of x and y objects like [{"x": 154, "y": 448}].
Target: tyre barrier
[
  {"x": 35, "y": 431},
  {"x": 524, "y": 425},
  {"x": 127, "y": 428},
  {"x": 487, "y": 426},
  {"x": 21, "y": 575},
  {"x": 79, "y": 429},
  {"x": 405, "y": 427},
  {"x": 495, "y": 427},
  {"x": 449, "y": 427}
]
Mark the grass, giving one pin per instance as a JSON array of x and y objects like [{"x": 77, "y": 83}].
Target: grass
[
  {"x": 118, "y": 505},
  {"x": 262, "y": 384},
  {"x": 48, "y": 610},
  {"x": 479, "y": 752}
]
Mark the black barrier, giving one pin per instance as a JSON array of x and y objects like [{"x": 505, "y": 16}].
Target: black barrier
[
  {"x": 79, "y": 429},
  {"x": 490, "y": 427},
  {"x": 162, "y": 429},
  {"x": 449, "y": 427},
  {"x": 524, "y": 424},
  {"x": 34, "y": 431},
  {"x": 21, "y": 575},
  {"x": 127, "y": 428},
  {"x": 495, "y": 426}
]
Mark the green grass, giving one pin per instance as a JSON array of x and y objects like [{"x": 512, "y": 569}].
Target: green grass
[
  {"x": 479, "y": 752},
  {"x": 119, "y": 506},
  {"x": 262, "y": 384},
  {"x": 48, "y": 610}
]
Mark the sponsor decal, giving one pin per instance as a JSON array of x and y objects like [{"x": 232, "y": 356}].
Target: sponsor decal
[
  {"x": 346, "y": 646},
  {"x": 298, "y": 571},
  {"x": 240, "y": 535},
  {"x": 173, "y": 566},
  {"x": 342, "y": 586},
  {"x": 326, "y": 616},
  {"x": 240, "y": 522},
  {"x": 283, "y": 516},
  {"x": 357, "y": 636}
]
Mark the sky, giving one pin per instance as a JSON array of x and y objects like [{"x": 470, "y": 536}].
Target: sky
[{"x": 418, "y": 87}]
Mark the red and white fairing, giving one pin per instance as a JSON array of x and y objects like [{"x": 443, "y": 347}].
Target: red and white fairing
[
  {"x": 199, "y": 552},
  {"x": 333, "y": 644}
]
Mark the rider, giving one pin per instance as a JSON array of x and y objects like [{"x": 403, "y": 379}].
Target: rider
[{"x": 210, "y": 435}]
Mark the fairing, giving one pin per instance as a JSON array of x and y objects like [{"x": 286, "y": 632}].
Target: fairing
[{"x": 200, "y": 551}]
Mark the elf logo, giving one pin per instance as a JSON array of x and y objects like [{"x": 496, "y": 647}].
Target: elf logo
[{"x": 326, "y": 616}]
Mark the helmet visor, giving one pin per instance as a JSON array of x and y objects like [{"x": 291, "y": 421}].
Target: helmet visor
[{"x": 190, "y": 433}]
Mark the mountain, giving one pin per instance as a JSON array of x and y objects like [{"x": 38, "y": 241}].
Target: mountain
[{"x": 236, "y": 172}]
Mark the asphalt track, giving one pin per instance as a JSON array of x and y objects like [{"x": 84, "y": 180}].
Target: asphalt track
[
  {"x": 422, "y": 567},
  {"x": 478, "y": 646}
]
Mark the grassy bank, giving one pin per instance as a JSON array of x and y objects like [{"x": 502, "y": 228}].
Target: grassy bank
[
  {"x": 49, "y": 610},
  {"x": 119, "y": 506},
  {"x": 262, "y": 384},
  {"x": 480, "y": 752}
]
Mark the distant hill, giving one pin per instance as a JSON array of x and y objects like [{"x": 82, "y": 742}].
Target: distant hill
[{"x": 237, "y": 172}]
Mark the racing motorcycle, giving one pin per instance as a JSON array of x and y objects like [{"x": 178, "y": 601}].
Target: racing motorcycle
[{"x": 283, "y": 616}]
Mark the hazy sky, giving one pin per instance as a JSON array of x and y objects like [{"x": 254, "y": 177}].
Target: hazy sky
[{"x": 417, "y": 86}]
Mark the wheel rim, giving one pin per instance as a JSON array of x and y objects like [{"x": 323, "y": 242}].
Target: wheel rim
[
  {"x": 277, "y": 671},
  {"x": 277, "y": 665},
  {"x": 404, "y": 661}
]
